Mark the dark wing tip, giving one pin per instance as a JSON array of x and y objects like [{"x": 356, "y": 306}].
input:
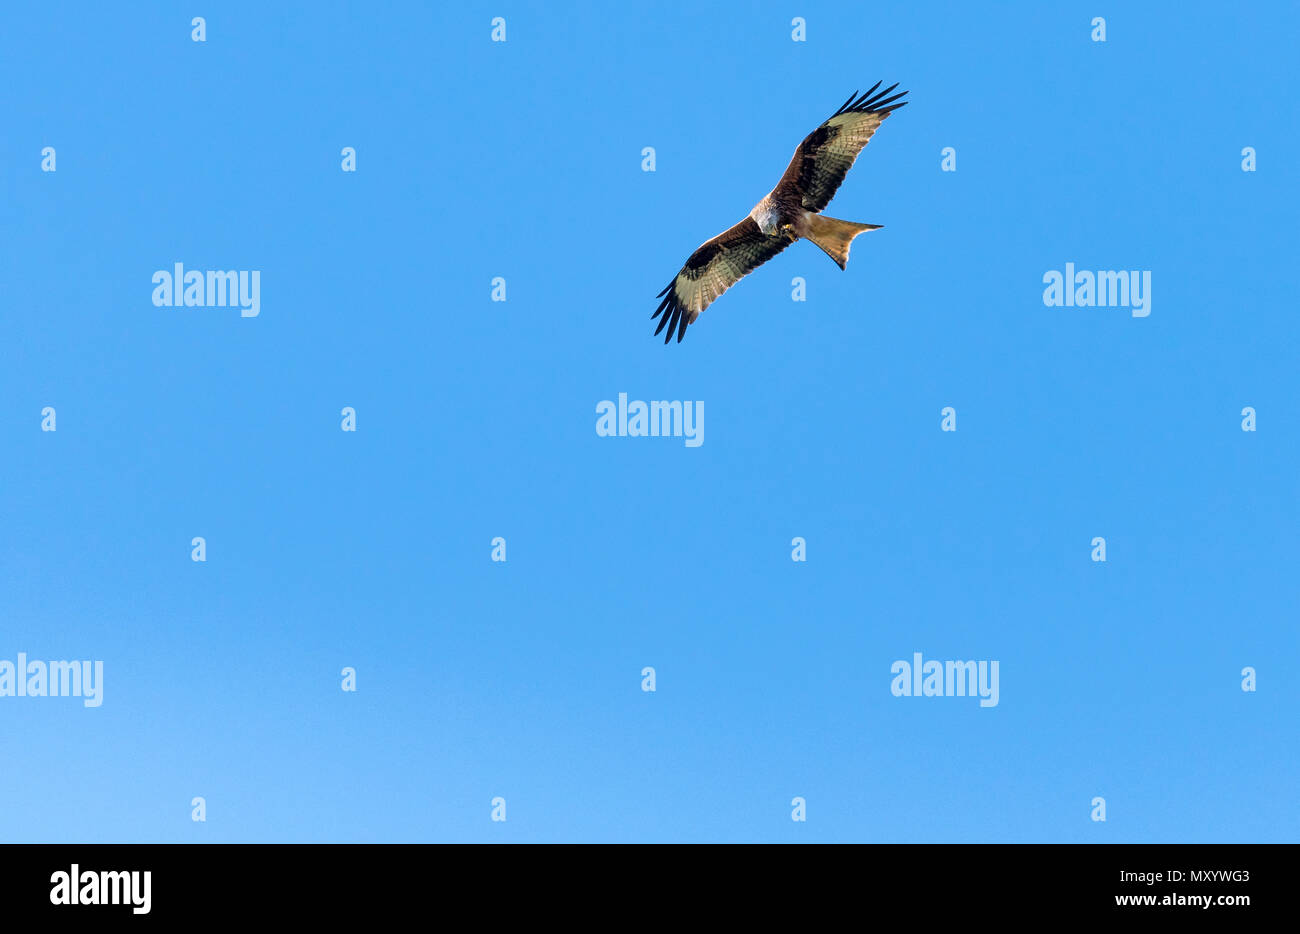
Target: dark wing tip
[
  {"x": 872, "y": 102},
  {"x": 672, "y": 325},
  {"x": 668, "y": 300},
  {"x": 673, "y": 314},
  {"x": 855, "y": 100}
]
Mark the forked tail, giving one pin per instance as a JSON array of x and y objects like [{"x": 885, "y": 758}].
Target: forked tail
[{"x": 835, "y": 236}]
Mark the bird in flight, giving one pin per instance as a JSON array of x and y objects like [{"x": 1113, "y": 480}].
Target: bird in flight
[{"x": 790, "y": 211}]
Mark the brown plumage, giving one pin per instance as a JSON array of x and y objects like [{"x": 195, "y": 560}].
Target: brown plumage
[{"x": 789, "y": 212}]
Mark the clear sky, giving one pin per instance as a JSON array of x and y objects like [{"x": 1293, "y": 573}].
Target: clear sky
[{"x": 475, "y": 419}]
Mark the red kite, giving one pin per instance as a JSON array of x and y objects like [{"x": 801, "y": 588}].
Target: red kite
[{"x": 789, "y": 212}]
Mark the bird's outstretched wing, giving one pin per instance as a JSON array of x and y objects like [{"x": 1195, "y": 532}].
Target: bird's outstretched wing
[
  {"x": 827, "y": 153},
  {"x": 711, "y": 270}
]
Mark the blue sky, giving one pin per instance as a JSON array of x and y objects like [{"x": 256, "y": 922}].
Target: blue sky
[{"x": 476, "y": 419}]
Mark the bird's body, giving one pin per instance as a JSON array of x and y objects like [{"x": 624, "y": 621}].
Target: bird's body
[{"x": 789, "y": 212}]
